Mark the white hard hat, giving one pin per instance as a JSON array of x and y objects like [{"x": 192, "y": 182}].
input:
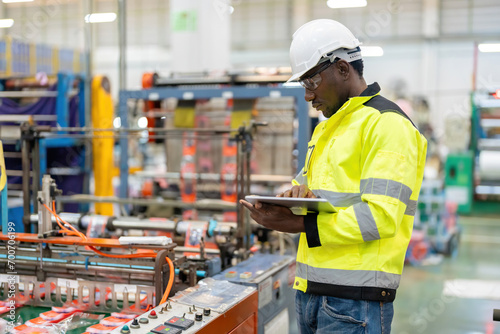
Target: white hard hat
[{"x": 317, "y": 39}]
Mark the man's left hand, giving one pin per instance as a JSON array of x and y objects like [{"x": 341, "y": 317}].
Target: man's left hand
[{"x": 275, "y": 217}]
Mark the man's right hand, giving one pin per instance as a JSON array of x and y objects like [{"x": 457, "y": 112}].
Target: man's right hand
[{"x": 298, "y": 191}]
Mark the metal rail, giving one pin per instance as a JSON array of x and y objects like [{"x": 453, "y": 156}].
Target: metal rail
[
  {"x": 487, "y": 190},
  {"x": 26, "y": 118},
  {"x": 489, "y": 144},
  {"x": 221, "y": 130},
  {"x": 201, "y": 204},
  {"x": 127, "y": 223},
  {"x": 80, "y": 267},
  {"x": 213, "y": 176},
  {"x": 33, "y": 93}
]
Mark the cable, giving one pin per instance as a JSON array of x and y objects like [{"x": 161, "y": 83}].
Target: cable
[
  {"x": 124, "y": 256},
  {"x": 84, "y": 238},
  {"x": 170, "y": 281},
  {"x": 75, "y": 232}
]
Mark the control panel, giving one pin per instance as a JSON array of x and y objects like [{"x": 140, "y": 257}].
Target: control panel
[{"x": 170, "y": 318}]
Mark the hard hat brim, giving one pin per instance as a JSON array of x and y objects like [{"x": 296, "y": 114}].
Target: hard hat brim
[
  {"x": 295, "y": 77},
  {"x": 348, "y": 55}
]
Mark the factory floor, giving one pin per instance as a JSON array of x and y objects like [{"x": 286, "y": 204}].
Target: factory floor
[{"x": 421, "y": 306}]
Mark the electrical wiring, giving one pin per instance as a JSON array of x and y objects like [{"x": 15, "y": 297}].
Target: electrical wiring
[
  {"x": 83, "y": 237},
  {"x": 64, "y": 229}
]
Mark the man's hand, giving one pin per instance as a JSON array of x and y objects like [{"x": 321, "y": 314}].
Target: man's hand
[
  {"x": 298, "y": 191},
  {"x": 275, "y": 217}
]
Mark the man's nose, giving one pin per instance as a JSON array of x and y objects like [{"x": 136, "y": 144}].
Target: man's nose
[{"x": 309, "y": 95}]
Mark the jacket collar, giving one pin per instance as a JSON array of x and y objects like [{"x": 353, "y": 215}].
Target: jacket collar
[
  {"x": 352, "y": 103},
  {"x": 371, "y": 90}
]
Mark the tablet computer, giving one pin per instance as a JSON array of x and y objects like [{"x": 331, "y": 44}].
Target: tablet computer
[{"x": 299, "y": 206}]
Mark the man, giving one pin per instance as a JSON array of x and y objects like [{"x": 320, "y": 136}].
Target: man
[{"x": 367, "y": 159}]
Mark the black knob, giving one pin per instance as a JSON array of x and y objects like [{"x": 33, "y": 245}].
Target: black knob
[
  {"x": 198, "y": 316},
  {"x": 206, "y": 312},
  {"x": 134, "y": 324}
]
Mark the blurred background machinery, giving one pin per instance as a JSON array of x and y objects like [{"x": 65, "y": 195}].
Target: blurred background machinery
[{"x": 472, "y": 179}]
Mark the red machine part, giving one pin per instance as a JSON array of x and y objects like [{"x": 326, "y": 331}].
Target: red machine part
[
  {"x": 148, "y": 82},
  {"x": 418, "y": 248}
]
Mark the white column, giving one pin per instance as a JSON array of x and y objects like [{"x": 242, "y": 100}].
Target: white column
[
  {"x": 430, "y": 48},
  {"x": 430, "y": 18},
  {"x": 301, "y": 13},
  {"x": 122, "y": 43},
  {"x": 3, "y": 15},
  {"x": 200, "y": 35}
]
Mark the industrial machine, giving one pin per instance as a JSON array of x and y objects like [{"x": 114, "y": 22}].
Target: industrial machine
[
  {"x": 436, "y": 228},
  {"x": 210, "y": 307},
  {"x": 273, "y": 276},
  {"x": 472, "y": 179},
  {"x": 60, "y": 266},
  {"x": 72, "y": 259},
  {"x": 260, "y": 286}
]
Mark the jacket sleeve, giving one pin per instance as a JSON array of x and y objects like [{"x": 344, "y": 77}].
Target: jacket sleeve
[{"x": 388, "y": 160}]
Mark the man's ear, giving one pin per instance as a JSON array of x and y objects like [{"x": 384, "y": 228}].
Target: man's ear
[{"x": 344, "y": 69}]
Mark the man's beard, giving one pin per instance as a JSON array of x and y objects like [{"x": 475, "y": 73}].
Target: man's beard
[{"x": 330, "y": 111}]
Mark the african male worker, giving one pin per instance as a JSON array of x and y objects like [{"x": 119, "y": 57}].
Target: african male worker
[{"x": 367, "y": 159}]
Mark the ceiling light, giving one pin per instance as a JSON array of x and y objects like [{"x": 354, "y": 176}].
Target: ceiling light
[
  {"x": 100, "y": 17},
  {"x": 6, "y": 23},
  {"x": 346, "y": 3},
  {"x": 12, "y": 1},
  {"x": 372, "y": 51},
  {"x": 492, "y": 47},
  {"x": 142, "y": 122},
  {"x": 117, "y": 122}
]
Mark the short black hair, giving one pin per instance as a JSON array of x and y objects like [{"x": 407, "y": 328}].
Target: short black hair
[{"x": 358, "y": 66}]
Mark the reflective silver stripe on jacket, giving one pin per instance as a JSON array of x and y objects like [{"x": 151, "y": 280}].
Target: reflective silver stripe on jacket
[
  {"x": 343, "y": 200},
  {"x": 366, "y": 222},
  {"x": 301, "y": 179},
  {"x": 411, "y": 208},
  {"x": 369, "y": 278},
  {"x": 386, "y": 187},
  {"x": 368, "y": 186},
  {"x": 392, "y": 189}
]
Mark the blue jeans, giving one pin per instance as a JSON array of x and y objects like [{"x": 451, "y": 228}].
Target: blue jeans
[{"x": 329, "y": 315}]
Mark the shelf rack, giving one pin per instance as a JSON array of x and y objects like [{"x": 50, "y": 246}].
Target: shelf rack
[{"x": 228, "y": 92}]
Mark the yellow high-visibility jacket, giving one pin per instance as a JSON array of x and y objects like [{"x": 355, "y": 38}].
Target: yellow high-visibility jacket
[{"x": 368, "y": 161}]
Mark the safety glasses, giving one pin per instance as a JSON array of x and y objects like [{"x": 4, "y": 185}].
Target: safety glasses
[{"x": 313, "y": 80}]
